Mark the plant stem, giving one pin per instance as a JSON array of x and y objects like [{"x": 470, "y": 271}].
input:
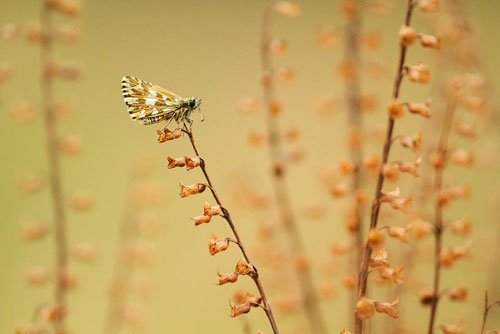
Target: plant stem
[
  {"x": 281, "y": 192},
  {"x": 363, "y": 271},
  {"x": 438, "y": 223},
  {"x": 59, "y": 215},
  {"x": 227, "y": 217},
  {"x": 487, "y": 310}
]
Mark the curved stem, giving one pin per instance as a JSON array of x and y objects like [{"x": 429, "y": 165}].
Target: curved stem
[
  {"x": 363, "y": 271},
  {"x": 54, "y": 166},
  {"x": 266, "y": 307},
  {"x": 281, "y": 192}
]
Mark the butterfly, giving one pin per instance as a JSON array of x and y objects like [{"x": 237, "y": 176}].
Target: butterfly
[{"x": 150, "y": 104}]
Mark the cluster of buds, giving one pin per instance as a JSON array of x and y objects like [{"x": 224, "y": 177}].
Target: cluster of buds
[
  {"x": 242, "y": 268},
  {"x": 208, "y": 212},
  {"x": 366, "y": 308},
  {"x": 244, "y": 306},
  {"x": 190, "y": 163}
]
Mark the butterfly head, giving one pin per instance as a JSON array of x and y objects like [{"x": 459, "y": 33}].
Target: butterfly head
[{"x": 194, "y": 104}]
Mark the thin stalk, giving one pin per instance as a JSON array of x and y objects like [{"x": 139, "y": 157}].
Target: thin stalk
[
  {"x": 487, "y": 310},
  {"x": 266, "y": 306},
  {"x": 59, "y": 215},
  {"x": 363, "y": 271},
  {"x": 438, "y": 223},
  {"x": 281, "y": 192}
]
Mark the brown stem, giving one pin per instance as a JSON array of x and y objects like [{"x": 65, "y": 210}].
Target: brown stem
[
  {"x": 309, "y": 297},
  {"x": 438, "y": 224},
  {"x": 487, "y": 310},
  {"x": 363, "y": 271},
  {"x": 266, "y": 306},
  {"x": 54, "y": 165}
]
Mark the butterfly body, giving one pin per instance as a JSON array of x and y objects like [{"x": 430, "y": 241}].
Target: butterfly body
[{"x": 150, "y": 104}]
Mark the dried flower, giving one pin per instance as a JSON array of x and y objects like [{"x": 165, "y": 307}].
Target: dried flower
[
  {"x": 395, "y": 109},
  {"x": 371, "y": 162},
  {"x": 428, "y": 5},
  {"x": 364, "y": 308},
  {"x": 287, "y": 8},
  {"x": 53, "y": 313},
  {"x": 349, "y": 7},
  {"x": 407, "y": 35},
  {"x": 257, "y": 137},
  {"x": 23, "y": 112},
  {"x": 409, "y": 167},
  {"x": 339, "y": 190},
  {"x": 278, "y": 46},
  {"x": 192, "y": 189},
  {"x": 379, "y": 259},
  {"x": 285, "y": 74},
  {"x": 71, "y": 144},
  {"x": 391, "y": 309},
  {"x": 397, "y": 202},
  {"x": 248, "y": 105},
  {"x": 217, "y": 245},
  {"x": 69, "y": 33},
  {"x": 461, "y": 226},
  {"x": 349, "y": 280},
  {"x": 209, "y": 210},
  {"x": 429, "y": 41},
  {"x": 341, "y": 248},
  {"x": 227, "y": 278},
  {"x": 34, "y": 230},
  {"x": 201, "y": 219},
  {"x": 244, "y": 268},
  {"x": 37, "y": 275},
  {"x": 346, "y": 69},
  {"x": 326, "y": 36},
  {"x": 420, "y": 108},
  {"x": 390, "y": 172},
  {"x": 458, "y": 294},
  {"x": 426, "y": 296},
  {"x": 275, "y": 107},
  {"x": 9, "y": 31},
  {"x": 375, "y": 239},
  {"x": 462, "y": 157},
  {"x": 394, "y": 275},
  {"x": 414, "y": 143},
  {"x": 420, "y": 228},
  {"x": 84, "y": 251},
  {"x": 398, "y": 233},
  {"x": 177, "y": 162},
  {"x": 418, "y": 73},
  {"x": 346, "y": 167},
  {"x": 452, "y": 329},
  {"x": 68, "y": 7},
  {"x": 192, "y": 162},
  {"x": 80, "y": 201},
  {"x": 31, "y": 183},
  {"x": 166, "y": 135},
  {"x": 465, "y": 129}
]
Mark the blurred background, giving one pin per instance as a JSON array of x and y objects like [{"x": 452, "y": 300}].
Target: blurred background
[{"x": 113, "y": 169}]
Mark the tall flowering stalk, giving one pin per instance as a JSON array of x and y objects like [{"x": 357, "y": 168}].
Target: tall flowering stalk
[
  {"x": 419, "y": 73},
  {"x": 281, "y": 192},
  {"x": 244, "y": 267},
  {"x": 50, "y": 70}
]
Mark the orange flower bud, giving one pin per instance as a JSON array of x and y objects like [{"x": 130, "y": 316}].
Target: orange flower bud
[
  {"x": 426, "y": 296},
  {"x": 166, "y": 135},
  {"x": 375, "y": 239},
  {"x": 31, "y": 183},
  {"x": 244, "y": 268},
  {"x": 428, "y": 5},
  {"x": 413, "y": 143},
  {"x": 275, "y": 107},
  {"x": 53, "y": 313},
  {"x": 371, "y": 162},
  {"x": 71, "y": 144},
  {"x": 391, "y": 172},
  {"x": 395, "y": 109},
  {"x": 465, "y": 129},
  {"x": 462, "y": 157},
  {"x": 341, "y": 248},
  {"x": 345, "y": 331},
  {"x": 211, "y": 210},
  {"x": 349, "y": 280},
  {"x": 391, "y": 309},
  {"x": 419, "y": 108},
  {"x": 364, "y": 308},
  {"x": 346, "y": 69},
  {"x": 452, "y": 329},
  {"x": 326, "y": 36},
  {"x": 248, "y": 105},
  {"x": 346, "y": 167},
  {"x": 37, "y": 275},
  {"x": 409, "y": 167},
  {"x": 80, "y": 201},
  {"x": 407, "y": 35},
  {"x": 437, "y": 160},
  {"x": 192, "y": 162},
  {"x": 192, "y": 189},
  {"x": 215, "y": 246},
  {"x": 371, "y": 40},
  {"x": 418, "y": 73},
  {"x": 22, "y": 112},
  {"x": 237, "y": 310},
  {"x": 9, "y": 31},
  {"x": 360, "y": 196},
  {"x": 285, "y": 74},
  {"x": 257, "y": 138},
  {"x": 278, "y": 46},
  {"x": 227, "y": 278},
  {"x": 287, "y": 8},
  {"x": 461, "y": 226},
  {"x": 201, "y": 219},
  {"x": 349, "y": 7},
  {"x": 394, "y": 275},
  {"x": 398, "y": 233},
  {"x": 474, "y": 103},
  {"x": 84, "y": 251},
  {"x": 458, "y": 294},
  {"x": 179, "y": 162},
  {"x": 420, "y": 228},
  {"x": 265, "y": 78},
  {"x": 379, "y": 259},
  {"x": 339, "y": 190},
  {"x": 429, "y": 41},
  {"x": 34, "y": 230},
  {"x": 301, "y": 263}
]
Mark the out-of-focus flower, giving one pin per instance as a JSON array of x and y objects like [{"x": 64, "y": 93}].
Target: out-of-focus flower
[
  {"x": 84, "y": 251},
  {"x": 465, "y": 129},
  {"x": 364, "y": 308},
  {"x": 257, "y": 138},
  {"x": 421, "y": 109},
  {"x": 409, "y": 167},
  {"x": 379, "y": 259},
  {"x": 429, "y": 41},
  {"x": 285, "y": 74},
  {"x": 80, "y": 201},
  {"x": 428, "y": 5},
  {"x": 287, "y": 8},
  {"x": 375, "y": 239},
  {"x": 37, "y": 275},
  {"x": 67, "y": 7},
  {"x": 34, "y": 230},
  {"x": 278, "y": 46},
  {"x": 70, "y": 144},
  {"x": 420, "y": 228},
  {"x": 23, "y": 112},
  {"x": 462, "y": 157},
  {"x": 9, "y": 31},
  {"x": 458, "y": 294},
  {"x": 398, "y": 233},
  {"x": 391, "y": 309},
  {"x": 52, "y": 313},
  {"x": 395, "y": 109},
  {"x": 461, "y": 226},
  {"x": 31, "y": 183},
  {"x": 248, "y": 105},
  {"x": 327, "y": 36},
  {"x": 418, "y": 73},
  {"x": 452, "y": 329},
  {"x": 69, "y": 32},
  {"x": 407, "y": 35},
  {"x": 394, "y": 275},
  {"x": 414, "y": 143}
]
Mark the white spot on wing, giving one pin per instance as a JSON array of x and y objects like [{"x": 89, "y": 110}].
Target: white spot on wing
[
  {"x": 152, "y": 92},
  {"x": 150, "y": 101},
  {"x": 155, "y": 111}
]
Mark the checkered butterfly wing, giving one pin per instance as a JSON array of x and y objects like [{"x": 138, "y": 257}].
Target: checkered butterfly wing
[{"x": 147, "y": 102}]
